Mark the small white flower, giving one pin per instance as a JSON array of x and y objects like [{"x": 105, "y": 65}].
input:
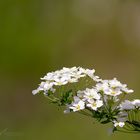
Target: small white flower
[
  {"x": 102, "y": 86},
  {"x": 126, "y": 90},
  {"x": 90, "y": 73},
  {"x": 120, "y": 124},
  {"x": 127, "y": 105},
  {"x": 60, "y": 81},
  {"x": 91, "y": 94},
  {"x": 35, "y": 91},
  {"x": 49, "y": 76},
  {"x": 114, "y": 83},
  {"x": 68, "y": 70},
  {"x": 80, "y": 94},
  {"x": 117, "y": 84},
  {"x": 109, "y": 87},
  {"x": 96, "y": 79},
  {"x": 81, "y": 70},
  {"x": 136, "y": 103},
  {"x": 113, "y": 92},
  {"x": 77, "y": 105},
  {"x": 44, "y": 86},
  {"x": 95, "y": 104}
]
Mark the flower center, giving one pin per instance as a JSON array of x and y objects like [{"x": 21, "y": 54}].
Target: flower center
[
  {"x": 78, "y": 107},
  {"x": 90, "y": 96},
  {"x": 94, "y": 104}
]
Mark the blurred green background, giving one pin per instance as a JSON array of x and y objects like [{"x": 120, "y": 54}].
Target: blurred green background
[{"x": 38, "y": 36}]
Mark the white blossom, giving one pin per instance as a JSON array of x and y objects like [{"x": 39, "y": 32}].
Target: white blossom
[
  {"x": 90, "y": 73},
  {"x": 120, "y": 124},
  {"x": 77, "y": 105},
  {"x": 126, "y": 90},
  {"x": 127, "y": 105},
  {"x": 91, "y": 94},
  {"x": 36, "y": 91},
  {"x": 80, "y": 94},
  {"x": 113, "y": 92},
  {"x": 94, "y": 104},
  {"x": 102, "y": 86},
  {"x": 44, "y": 86},
  {"x": 136, "y": 103},
  {"x": 115, "y": 83}
]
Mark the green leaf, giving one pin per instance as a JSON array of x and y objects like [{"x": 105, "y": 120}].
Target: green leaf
[
  {"x": 66, "y": 98},
  {"x": 105, "y": 121}
]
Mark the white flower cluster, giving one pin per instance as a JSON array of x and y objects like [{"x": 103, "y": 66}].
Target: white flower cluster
[
  {"x": 63, "y": 77},
  {"x": 92, "y": 97},
  {"x": 87, "y": 98},
  {"x": 112, "y": 87},
  {"x": 102, "y": 99}
]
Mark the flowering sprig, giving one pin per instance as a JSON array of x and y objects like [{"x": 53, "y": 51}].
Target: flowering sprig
[{"x": 80, "y": 90}]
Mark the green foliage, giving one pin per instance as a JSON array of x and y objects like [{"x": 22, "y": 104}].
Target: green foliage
[{"x": 66, "y": 98}]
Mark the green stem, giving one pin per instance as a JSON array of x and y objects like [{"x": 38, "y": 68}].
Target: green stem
[
  {"x": 119, "y": 102},
  {"x": 106, "y": 108},
  {"x": 85, "y": 113},
  {"x": 132, "y": 132},
  {"x": 52, "y": 99}
]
